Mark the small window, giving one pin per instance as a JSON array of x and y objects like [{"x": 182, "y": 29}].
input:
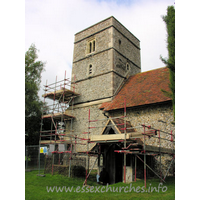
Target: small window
[
  {"x": 127, "y": 67},
  {"x": 90, "y": 69}
]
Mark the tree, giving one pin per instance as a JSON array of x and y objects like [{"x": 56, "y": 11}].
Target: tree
[
  {"x": 33, "y": 104},
  {"x": 169, "y": 19}
]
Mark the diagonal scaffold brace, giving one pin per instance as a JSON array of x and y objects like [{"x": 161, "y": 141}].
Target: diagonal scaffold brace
[{"x": 150, "y": 168}]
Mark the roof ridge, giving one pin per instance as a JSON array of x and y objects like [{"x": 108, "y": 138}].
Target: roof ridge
[{"x": 147, "y": 71}]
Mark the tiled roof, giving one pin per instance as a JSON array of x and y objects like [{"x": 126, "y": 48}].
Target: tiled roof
[
  {"x": 120, "y": 125},
  {"x": 141, "y": 89}
]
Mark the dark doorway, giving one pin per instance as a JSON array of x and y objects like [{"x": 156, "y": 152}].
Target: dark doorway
[{"x": 113, "y": 162}]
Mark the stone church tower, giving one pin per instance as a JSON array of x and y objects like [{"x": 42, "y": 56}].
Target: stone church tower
[{"x": 105, "y": 55}]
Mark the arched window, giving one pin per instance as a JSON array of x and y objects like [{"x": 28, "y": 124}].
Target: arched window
[
  {"x": 127, "y": 67},
  {"x": 90, "y": 69}
]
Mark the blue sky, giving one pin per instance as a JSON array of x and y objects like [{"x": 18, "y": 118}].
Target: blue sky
[{"x": 51, "y": 26}]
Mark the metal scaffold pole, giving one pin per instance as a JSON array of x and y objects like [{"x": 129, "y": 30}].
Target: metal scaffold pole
[
  {"x": 39, "y": 149},
  {"x": 71, "y": 147},
  {"x": 41, "y": 125},
  {"x": 87, "y": 162},
  {"x": 124, "y": 140},
  {"x": 135, "y": 167},
  {"x": 144, "y": 160},
  {"x": 160, "y": 154}
]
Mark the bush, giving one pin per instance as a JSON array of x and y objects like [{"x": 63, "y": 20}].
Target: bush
[{"x": 78, "y": 171}]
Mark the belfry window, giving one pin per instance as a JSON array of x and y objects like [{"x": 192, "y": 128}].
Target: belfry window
[{"x": 91, "y": 47}]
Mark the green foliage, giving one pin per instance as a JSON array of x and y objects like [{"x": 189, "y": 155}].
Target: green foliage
[
  {"x": 168, "y": 94},
  {"x": 169, "y": 19},
  {"x": 33, "y": 70}
]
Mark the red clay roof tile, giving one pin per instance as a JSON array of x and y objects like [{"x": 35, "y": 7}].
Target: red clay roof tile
[{"x": 141, "y": 89}]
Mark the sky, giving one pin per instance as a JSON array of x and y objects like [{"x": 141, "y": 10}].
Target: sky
[{"x": 51, "y": 26}]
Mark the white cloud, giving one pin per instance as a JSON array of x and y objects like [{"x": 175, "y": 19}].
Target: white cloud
[{"x": 51, "y": 25}]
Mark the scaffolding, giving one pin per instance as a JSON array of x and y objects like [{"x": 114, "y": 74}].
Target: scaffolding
[
  {"x": 67, "y": 138},
  {"x": 136, "y": 146},
  {"x": 54, "y": 116}
]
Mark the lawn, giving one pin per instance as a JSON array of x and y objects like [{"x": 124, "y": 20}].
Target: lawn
[{"x": 37, "y": 187}]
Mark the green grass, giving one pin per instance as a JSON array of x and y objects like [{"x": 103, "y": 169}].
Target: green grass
[{"x": 35, "y": 188}]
